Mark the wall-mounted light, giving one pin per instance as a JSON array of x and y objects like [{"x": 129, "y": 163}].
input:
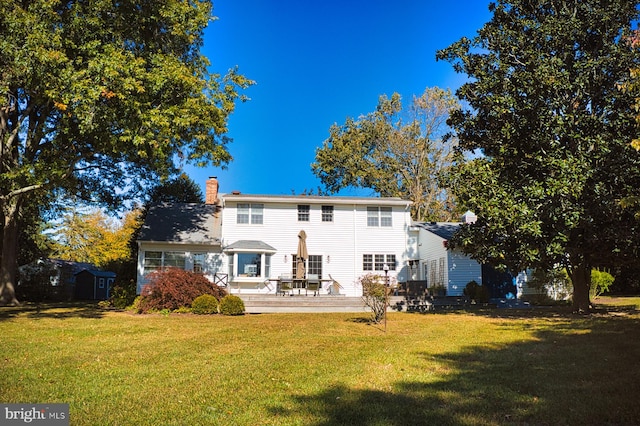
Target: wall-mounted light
[
  {"x": 285, "y": 258},
  {"x": 328, "y": 259}
]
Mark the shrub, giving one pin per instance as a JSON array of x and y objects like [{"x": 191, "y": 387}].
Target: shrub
[
  {"x": 373, "y": 295},
  {"x": 231, "y": 305},
  {"x": 477, "y": 292},
  {"x": 135, "y": 306},
  {"x": 470, "y": 289},
  {"x": 174, "y": 288},
  {"x": 600, "y": 283},
  {"x": 205, "y": 304},
  {"x": 123, "y": 294}
]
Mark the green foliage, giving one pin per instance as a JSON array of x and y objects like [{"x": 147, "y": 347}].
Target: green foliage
[
  {"x": 205, "y": 304},
  {"x": 374, "y": 295},
  {"x": 231, "y": 305},
  {"x": 136, "y": 306},
  {"x": 549, "y": 115},
  {"x": 174, "y": 288},
  {"x": 99, "y": 98},
  {"x": 601, "y": 281},
  {"x": 33, "y": 242},
  {"x": 398, "y": 151},
  {"x": 123, "y": 294},
  {"x": 180, "y": 189},
  {"x": 476, "y": 292}
]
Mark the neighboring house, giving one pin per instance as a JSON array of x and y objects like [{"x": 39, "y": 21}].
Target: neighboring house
[
  {"x": 61, "y": 275},
  {"x": 439, "y": 266},
  {"x": 249, "y": 241},
  {"x": 94, "y": 285}
]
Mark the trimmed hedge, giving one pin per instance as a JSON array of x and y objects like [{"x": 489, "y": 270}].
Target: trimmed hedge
[
  {"x": 205, "y": 305},
  {"x": 231, "y": 305}
]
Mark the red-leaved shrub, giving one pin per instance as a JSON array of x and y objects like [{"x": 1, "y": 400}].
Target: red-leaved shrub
[{"x": 174, "y": 288}]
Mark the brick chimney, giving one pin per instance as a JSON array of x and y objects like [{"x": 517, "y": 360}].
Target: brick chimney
[{"x": 211, "y": 190}]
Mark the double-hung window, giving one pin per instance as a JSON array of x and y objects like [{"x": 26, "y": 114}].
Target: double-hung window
[
  {"x": 152, "y": 261},
  {"x": 367, "y": 262},
  {"x": 158, "y": 260},
  {"x": 250, "y": 213},
  {"x": 379, "y": 216},
  {"x": 198, "y": 263},
  {"x": 174, "y": 259},
  {"x": 303, "y": 212},
  {"x": 327, "y": 213},
  {"x": 376, "y": 262}
]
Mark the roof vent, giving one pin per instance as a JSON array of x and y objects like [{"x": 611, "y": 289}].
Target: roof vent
[{"x": 236, "y": 192}]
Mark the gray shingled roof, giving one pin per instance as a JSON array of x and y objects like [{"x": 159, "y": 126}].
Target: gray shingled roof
[
  {"x": 441, "y": 229},
  {"x": 245, "y": 245},
  {"x": 182, "y": 223}
]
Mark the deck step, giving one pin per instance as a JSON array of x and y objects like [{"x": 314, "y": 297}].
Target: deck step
[{"x": 299, "y": 304}]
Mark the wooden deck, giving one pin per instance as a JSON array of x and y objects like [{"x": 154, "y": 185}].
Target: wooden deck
[{"x": 258, "y": 304}]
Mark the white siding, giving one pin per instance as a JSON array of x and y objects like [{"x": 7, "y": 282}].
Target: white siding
[
  {"x": 462, "y": 269},
  {"x": 459, "y": 269},
  {"x": 341, "y": 243},
  {"x": 431, "y": 250},
  {"x": 213, "y": 258}
]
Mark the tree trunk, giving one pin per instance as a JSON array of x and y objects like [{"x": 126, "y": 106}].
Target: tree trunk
[
  {"x": 580, "y": 275},
  {"x": 9, "y": 260}
]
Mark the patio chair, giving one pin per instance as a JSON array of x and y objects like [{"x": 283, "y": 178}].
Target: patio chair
[
  {"x": 285, "y": 284},
  {"x": 313, "y": 284}
]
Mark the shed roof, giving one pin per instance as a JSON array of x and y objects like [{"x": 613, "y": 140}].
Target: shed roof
[
  {"x": 188, "y": 223},
  {"x": 99, "y": 274}
]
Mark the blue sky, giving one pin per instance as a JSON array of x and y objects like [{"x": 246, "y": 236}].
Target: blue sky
[{"x": 317, "y": 63}]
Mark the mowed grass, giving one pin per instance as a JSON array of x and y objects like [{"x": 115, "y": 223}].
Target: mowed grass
[{"x": 465, "y": 368}]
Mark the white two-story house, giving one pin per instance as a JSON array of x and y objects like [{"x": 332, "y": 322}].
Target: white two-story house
[{"x": 249, "y": 241}]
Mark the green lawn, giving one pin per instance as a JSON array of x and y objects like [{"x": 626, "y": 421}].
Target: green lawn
[{"x": 532, "y": 367}]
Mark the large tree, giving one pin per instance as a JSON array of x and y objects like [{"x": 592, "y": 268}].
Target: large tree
[
  {"x": 178, "y": 189},
  {"x": 96, "y": 97},
  {"x": 548, "y": 111},
  {"x": 397, "y": 150}
]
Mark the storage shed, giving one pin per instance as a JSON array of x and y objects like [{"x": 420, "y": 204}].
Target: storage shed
[{"x": 94, "y": 285}]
